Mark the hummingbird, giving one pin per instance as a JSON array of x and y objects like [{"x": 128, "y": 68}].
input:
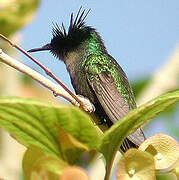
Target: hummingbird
[{"x": 94, "y": 73}]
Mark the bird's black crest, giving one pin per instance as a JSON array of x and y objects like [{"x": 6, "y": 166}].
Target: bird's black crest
[{"x": 64, "y": 41}]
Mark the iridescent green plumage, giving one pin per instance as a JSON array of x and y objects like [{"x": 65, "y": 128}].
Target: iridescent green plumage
[{"x": 94, "y": 73}]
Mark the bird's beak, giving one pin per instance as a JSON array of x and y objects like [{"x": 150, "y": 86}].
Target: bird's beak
[{"x": 43, "y": 48}]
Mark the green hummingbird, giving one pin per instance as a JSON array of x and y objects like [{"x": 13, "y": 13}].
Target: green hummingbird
[{"x": 94, "y": 73}]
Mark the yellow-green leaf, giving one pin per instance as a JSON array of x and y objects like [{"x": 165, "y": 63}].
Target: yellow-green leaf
[
  {"x": 70, "y": 147},
  {"x": 113, "y": 138},
  {"x": 164, "y": 149},
  {"x": 136, "y": 165},
  {"x": 36, "y": 164},
  {"x": 34, "y": 122},
  {"x": 16, "y": 14}
]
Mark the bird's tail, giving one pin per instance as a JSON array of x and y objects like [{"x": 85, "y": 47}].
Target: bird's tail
[
  {"x": 134, "y": 140},
  {"x": 127, "y": 144}
]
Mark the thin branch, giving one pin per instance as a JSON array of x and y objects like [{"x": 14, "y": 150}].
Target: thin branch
[
  {"x": 86, "y": 105},
  {"x": 47, "y": 71}
]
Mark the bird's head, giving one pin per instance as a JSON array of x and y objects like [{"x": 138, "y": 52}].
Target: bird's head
[{"x": 64, "y": 41}]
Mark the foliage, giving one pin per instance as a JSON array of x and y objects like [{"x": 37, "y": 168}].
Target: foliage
[
  {"x": 139, "y": 85},
  {"x": 58, "y": 136},
  {"x": 15, "y": 14}
]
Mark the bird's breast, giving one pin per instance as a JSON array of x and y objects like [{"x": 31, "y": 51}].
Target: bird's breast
[{"x": 75, "y": 67}]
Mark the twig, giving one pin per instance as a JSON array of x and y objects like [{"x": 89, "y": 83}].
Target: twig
[
  {"x": 55, "y": 88},
  {"x": 47, "y": 71}
]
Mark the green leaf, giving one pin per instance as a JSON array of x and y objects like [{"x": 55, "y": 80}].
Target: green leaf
[
  {"x": 34, "y": 122},
  {"x": 14, "y": 15},
  {"x": 27, "y": 121},
  {"x": 139, "y": 85},
  {"x": 113, "y": 138},
  {"x": 71, "y": 148},
  {"x": 30, "y": 157},
  {"x": 36, "y": 162}
]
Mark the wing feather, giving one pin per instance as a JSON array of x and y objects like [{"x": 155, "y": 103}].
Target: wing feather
[
  {"x": 108, "y": 95},
  {"x": 113, "y": 103}
]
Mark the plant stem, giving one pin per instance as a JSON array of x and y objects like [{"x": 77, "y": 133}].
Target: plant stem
[{"x": 55, "y": 88}]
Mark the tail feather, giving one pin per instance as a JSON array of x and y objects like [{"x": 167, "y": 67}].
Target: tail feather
[
  {"x": 133, "y": 140},
  {"x": 127, "y": 144}
]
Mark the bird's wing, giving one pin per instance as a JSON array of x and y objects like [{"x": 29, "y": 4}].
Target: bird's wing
[
  {"x": 108, "y": 95},
  {"x": 103, "y": 83}
]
